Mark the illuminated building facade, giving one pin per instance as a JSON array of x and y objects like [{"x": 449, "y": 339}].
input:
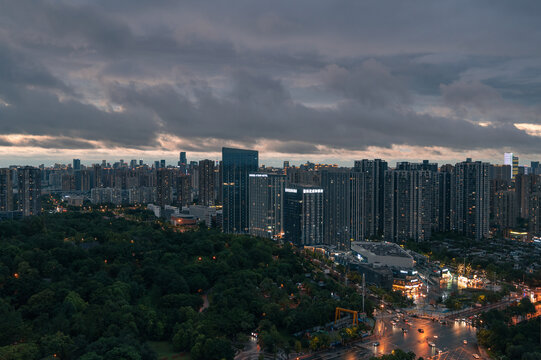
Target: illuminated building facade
[
  {"x": 303, "y": 215},
  {"x": 266, "y": 204}
]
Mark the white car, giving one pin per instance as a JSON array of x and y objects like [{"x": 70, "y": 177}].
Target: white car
[
  {"x": 475, "y": 356},
  {"x": 465, "y": 342}
]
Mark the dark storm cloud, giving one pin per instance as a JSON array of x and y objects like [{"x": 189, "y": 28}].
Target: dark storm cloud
[
  {"x": 294, "y": 75},
  {"x": 50, "y": 143},
  {"x": 260, "y": 107},
  {"x": 34, "y": 107}
]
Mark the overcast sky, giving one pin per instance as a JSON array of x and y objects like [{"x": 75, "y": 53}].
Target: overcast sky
[{"x": 327, "y": 81}]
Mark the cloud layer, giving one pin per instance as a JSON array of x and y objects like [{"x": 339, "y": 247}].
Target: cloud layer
[{"x": 309, "y": 78}]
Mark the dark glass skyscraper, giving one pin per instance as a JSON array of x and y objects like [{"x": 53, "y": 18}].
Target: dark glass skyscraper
[
  {"x": 237, "y": 164},
  {"x": 76, "y": 164},
  {"x": 303, "y": 215}
]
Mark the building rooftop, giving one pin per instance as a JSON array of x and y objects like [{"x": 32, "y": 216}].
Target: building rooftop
[{"x": 380, "y": 248}]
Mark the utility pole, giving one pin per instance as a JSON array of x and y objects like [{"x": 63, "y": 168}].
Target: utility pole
[{"x": 363, "y": 291}]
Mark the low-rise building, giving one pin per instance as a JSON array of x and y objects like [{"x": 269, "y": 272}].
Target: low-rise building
[{"x": 382, "y": 254}]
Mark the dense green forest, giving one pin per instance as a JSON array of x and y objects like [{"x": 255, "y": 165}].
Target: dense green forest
[
  {"x": 100, "y": 286},
  {"x": 521, "y": 341}
]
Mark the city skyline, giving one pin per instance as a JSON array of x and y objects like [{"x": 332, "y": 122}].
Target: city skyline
[
  {"x": 143, "y": 80},
  {"x": 266, "y": 161},
  {"x": 241, "y": 180}
]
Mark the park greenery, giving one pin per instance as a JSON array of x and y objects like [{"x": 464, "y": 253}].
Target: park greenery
[
  {"x": 104, "y": 285},
  {"x": 506, "y": 341}
]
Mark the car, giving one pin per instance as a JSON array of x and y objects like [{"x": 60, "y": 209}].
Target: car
[
  {"x": 405, "y": 331},
  {"x": 435, "y": 336},
  {"x": 421, "y": 330},
  {"x": 475, "y": 356},
  {"x": 465, "y": 342},
  {"x": 375, "y": 343},
  {"x": 431, "y": 344}
]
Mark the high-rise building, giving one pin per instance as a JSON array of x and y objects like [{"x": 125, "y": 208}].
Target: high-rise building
[
  {"x": 336, "y": 207},
  {"x": 183, "y": 189},
  {"x": 508, "y": 160},
  {"x": 409, "y": 197},
  {"x": 76, "y": 164},
  {"x": 471, "y": 200},
  {"x": 525, "y": 185},
  {"x": 505, "y": 211},
  {"x": 515, "y": 166},
  {"x": 163, "y": 187},
  {"x": 237, "y": 164},
  {"x": 443, "y": 199},
  {"x": 534, "y": 166},
  {"x": 359, "y": 204},
  {"x": 512, "y": 161},
  {"x": 206, "y": 182},
  {"x": 183, "y": 162},
  {"x": 218, "y": 183},
  {"x": 68, "y": 183},
  {"x": 6, "y": 190},
  {"x": 29, "y": 190},
  {"x": 266, "y": 205},
  {"x": 501, "y": 172},
  {"x": 426, "y": 165},
  {"x": 374, "y": 193},
  {"x": 303, "y": 215},
  {"x": 534, "y": 214},
  {"x": 86, "y": 181}
]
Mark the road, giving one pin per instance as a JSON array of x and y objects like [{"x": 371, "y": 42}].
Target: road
[{"x": 450, "y": 338}]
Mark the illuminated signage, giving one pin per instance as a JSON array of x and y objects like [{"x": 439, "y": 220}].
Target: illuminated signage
[
  {"x": 290, "y": 190},
  {"x": 258, "y": 175},
  {"x": 312, "y": 191}
]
